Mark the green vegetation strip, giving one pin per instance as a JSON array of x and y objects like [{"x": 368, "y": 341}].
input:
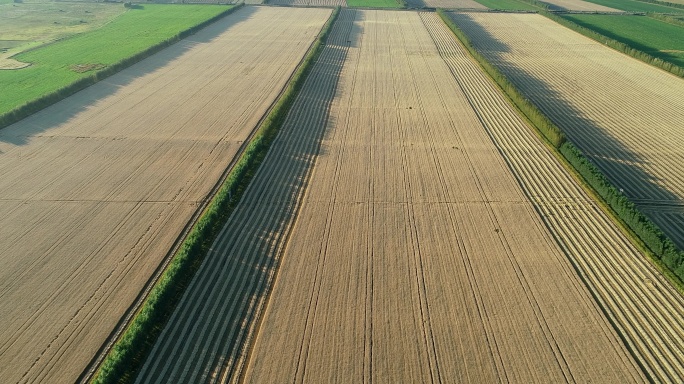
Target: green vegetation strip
[
  {"x": 128, "y": 354},
  {"x": 508, "y": 5},
  {"x": 377, "y": 3},
  {"x": 619, "y": 46},
  {"x": 661, "y": 249},
  {"x": 55, "y": 71},
  {"x": 637, "y": 6},
  {"x": 651, "y": 36}
]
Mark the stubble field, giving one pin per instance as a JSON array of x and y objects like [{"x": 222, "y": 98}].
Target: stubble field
[
  {"x": 434, "y": 237},
  {"x": 96, "y": 188},
  {"x": 625, "y": 115}
]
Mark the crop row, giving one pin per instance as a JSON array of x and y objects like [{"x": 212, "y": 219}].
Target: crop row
[
  {"x": 128, "y": 353},
  {"x": 651, "y": 235},
  {"x": 79, "y": 45}
]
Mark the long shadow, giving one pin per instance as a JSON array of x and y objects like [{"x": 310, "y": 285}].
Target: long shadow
[
  {"x": 622, "y": 166},
  {"x": 653, "y": 51},
  {"x": 232, "y": 286},
  {"x": 67, "y": 109}
]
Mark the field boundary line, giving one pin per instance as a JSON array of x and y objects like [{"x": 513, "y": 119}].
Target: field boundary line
[
  {"x": 250, "y": 340},
  {"x": 616, "y": 45},
  {"x": 566, "y": 152},
  {"x": 225, "y": 194},
  {"x": 53, "y": 97}
]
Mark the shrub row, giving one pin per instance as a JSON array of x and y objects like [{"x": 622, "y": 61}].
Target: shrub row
[
  {"x": 649, "y": 233},
  {"x": 624, "y": 210},
  {"x": 127, "y": 355},
  {"x": 616, "y": 45},
  {"x": 48, "y": 99},
  {"x": 665, "y": 3},
  {"x": 549, "y": 130},
  {"x": 666, "y": 18}
]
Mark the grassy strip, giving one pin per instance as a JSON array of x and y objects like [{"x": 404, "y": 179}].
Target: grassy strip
[
  {"x": 639, "y": 227},
  {"x": 129, "y": 352},
  {"x": 664, "y": 3},
  {"x": 508, "y": 5},
  {"x": 616, "y": 45},
  {"x": 655, "y": 37},
  {"x": 377, "y": 3},
  {"x": 50, "y": 78},
  {"x": 636, "y": 6},
  {"x": 678, "y": 21}
]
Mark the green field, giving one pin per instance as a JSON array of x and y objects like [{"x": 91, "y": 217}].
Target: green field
[
  {"x": 55, "y": 66},
  {"x": 28, "y": 25},
  {"x": 637, "y": 6},
  {"x": 374, "y": 3},
  {"x": 512, "y": 5},
  {"x": 657, "y": 38}
]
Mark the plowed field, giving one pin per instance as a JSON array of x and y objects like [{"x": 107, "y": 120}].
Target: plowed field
[
  {"x": 624, "y": 114},
  {"x": 96, "y": 188}
]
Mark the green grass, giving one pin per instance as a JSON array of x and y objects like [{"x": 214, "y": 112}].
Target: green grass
[
  {"x": 655, "y": 37},
  {"x": 511, "y": 5},
  {"x": 128, "y": 353},
  {"x": 129, "y": 34},
  {"x": 375, "y": 3},
  {"x": 636, "y": 6}
]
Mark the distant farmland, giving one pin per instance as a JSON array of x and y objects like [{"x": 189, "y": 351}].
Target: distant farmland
[
  {"x": 657, "y": 38},
  {"x": 57, "y": 65}
]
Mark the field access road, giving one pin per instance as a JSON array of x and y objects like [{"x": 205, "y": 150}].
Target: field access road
[{"x": 95, "y": 189}]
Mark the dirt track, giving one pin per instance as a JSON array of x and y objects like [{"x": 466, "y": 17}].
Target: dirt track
[
  {"x": 624, "y": 114},
  {"x": 96, "y": 188}
]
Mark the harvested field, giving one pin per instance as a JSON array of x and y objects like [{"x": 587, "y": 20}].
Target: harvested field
[
  {"x": 625, "y": 115},
  {"x": 579, "y": 5},
  {"x": 415, "y": 254},
  {"x": 310, "y": 3},
  {"x": 96, "y": 188},
  {"x": 447, "y": 4}
]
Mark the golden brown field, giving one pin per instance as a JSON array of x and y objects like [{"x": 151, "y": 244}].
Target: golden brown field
[{"x": 96, "y": 189}]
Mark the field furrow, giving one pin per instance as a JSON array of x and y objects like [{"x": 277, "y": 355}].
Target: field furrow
[
  {"x": 625, "y": 115},
  {"x": 97, "y": 188},
  {"x": 642, "y": 305},
  {"x": 416, "y": 255},
  {"x": 206, "y": 337}
]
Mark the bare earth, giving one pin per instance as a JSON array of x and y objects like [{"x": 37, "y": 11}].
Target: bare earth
[
  {"x": 96, "y": 188},
  {"x": 624, "y": 114},
  {"x": 447, "y": 4},
  {"x": 579, "y": 5}
]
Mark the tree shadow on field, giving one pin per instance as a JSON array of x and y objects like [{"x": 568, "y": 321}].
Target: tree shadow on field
[
  {"x": 225, "y": 300},
  {"x": 623, "y": 167},
  {"x": 69, "y": 108}
]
